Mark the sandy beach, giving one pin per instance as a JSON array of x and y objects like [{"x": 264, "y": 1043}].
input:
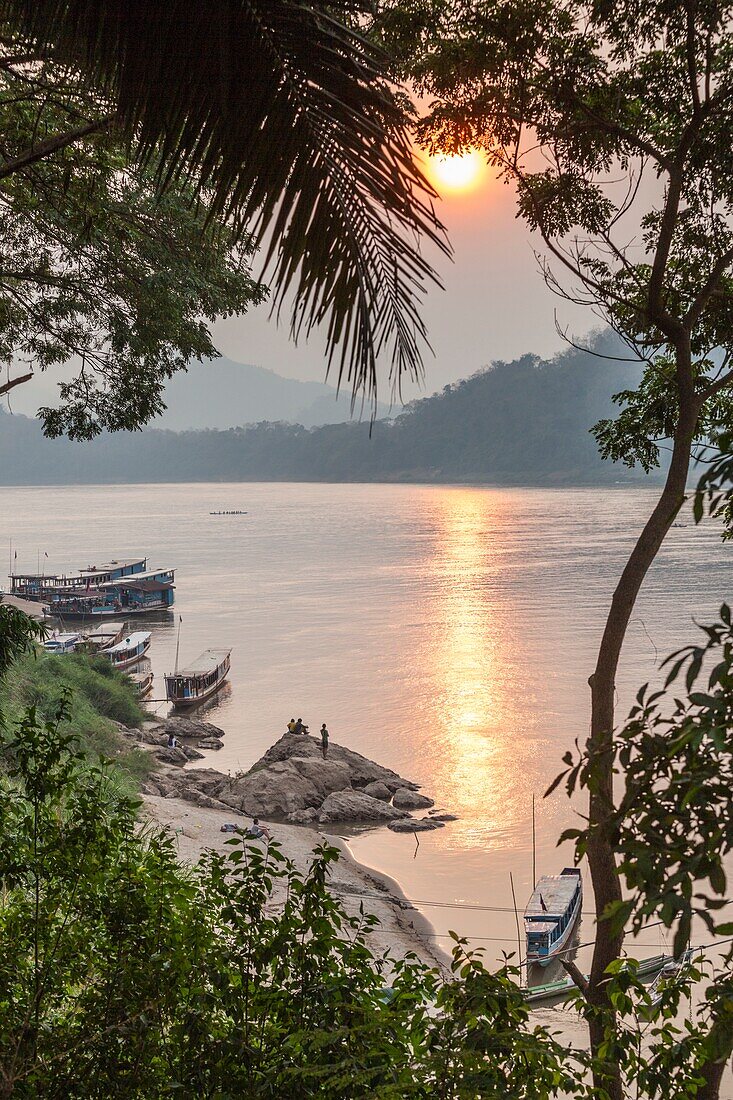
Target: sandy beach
[{"x": 402, "y": 929}]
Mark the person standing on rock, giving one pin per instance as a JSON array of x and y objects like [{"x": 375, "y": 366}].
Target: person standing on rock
[{"x": 324, "y": 740}]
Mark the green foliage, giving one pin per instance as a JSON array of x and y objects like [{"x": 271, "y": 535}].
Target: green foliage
[
  {"x": 98, "y": 269},
  {"x": 97, "y": 697},
  {"x": 18, "y": 634},
  {"x": 673, "y": 826},
  {"x": 714, "y": 492},
  {"x": 122, "y": 973}
]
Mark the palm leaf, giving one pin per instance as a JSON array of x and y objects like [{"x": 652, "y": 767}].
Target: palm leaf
[{"x": 281, "y": 112}]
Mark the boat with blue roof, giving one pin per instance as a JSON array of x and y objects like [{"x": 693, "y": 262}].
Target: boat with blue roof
[{"x": 551, "y": 914}]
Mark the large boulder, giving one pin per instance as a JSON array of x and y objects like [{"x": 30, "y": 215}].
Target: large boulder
[
  {"x": 407, "y": 799},
  {"x": 357, "y": 807},
  {"x": 379, "y": 790},
  {"x": 194, "y": 728},
  {"x": 284, "y": 786}
]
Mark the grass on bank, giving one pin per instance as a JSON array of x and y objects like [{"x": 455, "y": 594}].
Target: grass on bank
[{"x": 100, "y": 696}]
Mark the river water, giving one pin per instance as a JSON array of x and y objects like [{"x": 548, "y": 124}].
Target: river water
[{"x": 447, "y": 632}]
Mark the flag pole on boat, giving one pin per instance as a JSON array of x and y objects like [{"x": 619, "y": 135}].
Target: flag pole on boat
[
  {"x": 178, "y": 642},
  {"x": 516, "y": 918},
  {"x": 534, "y": 848}
]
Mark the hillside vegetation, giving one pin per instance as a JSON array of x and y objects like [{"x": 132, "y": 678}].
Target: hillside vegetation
[
  {"x": 99, "y": 697},
  {"x": 525, "y": 422}
]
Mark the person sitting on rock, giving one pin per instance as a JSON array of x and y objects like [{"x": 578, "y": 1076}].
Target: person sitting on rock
[
  {"x": 299, "y": 727},
  {"x": 257, "y": 831},
  {"x": 291, "y": 726},
  {"x": 172, "y": 741}
]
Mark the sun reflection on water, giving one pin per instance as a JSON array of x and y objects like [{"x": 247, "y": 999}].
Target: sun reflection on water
[{"x": 478, "y": 755}]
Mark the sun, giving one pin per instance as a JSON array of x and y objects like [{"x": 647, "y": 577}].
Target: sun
[{"x": 456, "y": 173}]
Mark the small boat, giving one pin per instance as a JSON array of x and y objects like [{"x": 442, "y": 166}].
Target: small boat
[
  {"x": 62, "y": 643},
  {"x": 227, "y": 513},
  {"x": 143, "y": 682},
  {"x": 130, "y": 649},
  {"x": 554, "y": 992},
  {"x": 672, "y": 970},
  {"x": 105, "y": 636},
  {"x": 200, "y": 680},
  {"x": 551, "y": 914}
]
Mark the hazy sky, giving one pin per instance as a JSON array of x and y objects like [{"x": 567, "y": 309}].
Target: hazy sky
[{"x": 495, "y": 305}]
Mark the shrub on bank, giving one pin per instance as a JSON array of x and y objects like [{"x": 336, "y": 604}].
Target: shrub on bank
[{"x": 99, "y": 696}]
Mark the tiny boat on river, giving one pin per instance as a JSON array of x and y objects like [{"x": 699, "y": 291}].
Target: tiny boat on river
[
  {"x": 201, "y": 679},
  {"x": 129, "y": 650},
  {"x": 551, "y": 914},
  {"x": 62, "y": 643}
]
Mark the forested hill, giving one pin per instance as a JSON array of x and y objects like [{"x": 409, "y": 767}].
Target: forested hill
[{"x": 525, "y": 422}]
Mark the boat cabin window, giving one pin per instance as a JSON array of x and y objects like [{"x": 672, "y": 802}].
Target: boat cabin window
[{"x": 538, "y": 941}]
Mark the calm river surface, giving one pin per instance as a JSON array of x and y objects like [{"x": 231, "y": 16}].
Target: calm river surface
[{"x": 445, "y": 632}]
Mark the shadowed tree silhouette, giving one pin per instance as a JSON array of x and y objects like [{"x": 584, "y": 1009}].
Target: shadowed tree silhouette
[{"x": 279, "y": 113}]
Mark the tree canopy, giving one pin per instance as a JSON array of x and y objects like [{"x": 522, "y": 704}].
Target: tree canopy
[
  {"x": 279, "y": 115},
  {"x": 98, "y": 269},
  {"x": 612, "y": 122}
]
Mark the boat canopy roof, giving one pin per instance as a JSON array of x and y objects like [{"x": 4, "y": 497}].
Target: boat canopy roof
[
  {"x": 208, "y": 662},
  {"x": 557, "y": 892},
  {"x": 132, "y": 641},
  {"x": 139, "y": 586},
  {"x": 138, "y": 578},
  {"x": 108, "y": 566}
]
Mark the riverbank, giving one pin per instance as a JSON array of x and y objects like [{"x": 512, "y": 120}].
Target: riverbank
[{"x": 401, "y": 931}]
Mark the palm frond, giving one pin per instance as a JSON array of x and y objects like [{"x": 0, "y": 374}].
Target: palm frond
[{"x": 281, "y": 112}]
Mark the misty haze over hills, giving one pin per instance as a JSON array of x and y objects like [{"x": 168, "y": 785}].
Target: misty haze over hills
[
  {"x": 220, "y": 393},
  {"x": 526, "y": 422}
]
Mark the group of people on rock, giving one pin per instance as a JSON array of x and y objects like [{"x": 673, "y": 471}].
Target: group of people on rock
[{"x": 297, "y": 726}]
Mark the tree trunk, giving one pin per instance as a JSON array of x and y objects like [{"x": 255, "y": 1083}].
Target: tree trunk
[{"x": 601, "y": 855}]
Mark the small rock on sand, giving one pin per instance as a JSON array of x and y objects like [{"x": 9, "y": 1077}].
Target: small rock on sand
[
  {"x": 193, "y": 728},
  {"x": 415, "y": 825}
]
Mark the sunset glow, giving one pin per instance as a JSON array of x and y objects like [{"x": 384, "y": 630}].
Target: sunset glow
[{"x": 456, "y": 173}]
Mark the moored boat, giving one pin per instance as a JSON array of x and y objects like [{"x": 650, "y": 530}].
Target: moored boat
[
  {"x": 553, "y": 992},
  {"x": 143, "y": 682},
  {"x": 201, "y": 679},
  {"x": 551, "y": 914},
  {"x": 62, "y": 643},
  {"x": 105, "y": 636},
  {"x": 130, "y": 649}
]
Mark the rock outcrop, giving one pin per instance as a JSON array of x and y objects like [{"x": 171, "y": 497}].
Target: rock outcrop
[{"x": 291, "y": 782}]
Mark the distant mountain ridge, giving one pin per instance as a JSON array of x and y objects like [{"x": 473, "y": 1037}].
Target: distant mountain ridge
[
  {"x": 220, "y": 393},
  {"x": 521, "y": 423}
]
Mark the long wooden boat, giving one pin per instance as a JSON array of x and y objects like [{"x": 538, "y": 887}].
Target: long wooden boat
[
  {"x": 555, "y": 992},
  {"x": 105, "y": 636},
  {"x": 130, "y": 649},
  {"x": 200, "y": 680},
  {"x": 143, "y": 682},
  {"x": 551, "y": 914}
]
